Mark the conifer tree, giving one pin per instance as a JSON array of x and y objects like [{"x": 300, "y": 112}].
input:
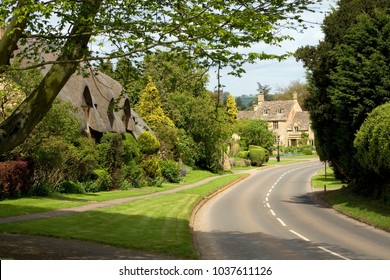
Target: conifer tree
[
  {"x": 149, "y": 107},
  {"x": 231, "y": 108}
]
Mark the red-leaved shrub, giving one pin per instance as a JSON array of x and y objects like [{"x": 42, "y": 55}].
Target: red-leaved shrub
[{"x": 15, "y": 178}]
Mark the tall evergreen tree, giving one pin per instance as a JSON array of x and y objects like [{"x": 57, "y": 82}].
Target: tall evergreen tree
[{"x": 348, "y": 77}]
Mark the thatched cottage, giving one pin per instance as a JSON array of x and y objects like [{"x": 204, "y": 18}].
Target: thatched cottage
[
  {"x": 102, "y": 105},
  {"x": 285, "y": 118}
]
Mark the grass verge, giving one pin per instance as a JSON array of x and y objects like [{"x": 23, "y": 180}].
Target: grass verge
[
  {"x": 364, "y": 209},
  {"x": 55, "y": 201},
  {"x": 159, "y": 224}
]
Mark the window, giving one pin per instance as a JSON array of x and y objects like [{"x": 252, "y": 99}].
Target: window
[
  {"x": 279, "y": 111},
  {"x": 266, "y": 111},
  {"x": 296, "y": 128},
  {"x": 275, "y": 125}
]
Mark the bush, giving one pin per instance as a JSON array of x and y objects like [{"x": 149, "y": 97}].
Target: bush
[
  {"x": 15, "y": 178},
  {"x": 103, "y": 180},
  {"x": 40, "y": 189},
  {"x": 131, "y": 148},
  {"x": 243, "y": 154},
  {"x": 70, "y": 187},
  {"x": 152, "y": 169},
  {"x": 133, "y": 174},
  {"x": 111, "y": 154},
  {"x": 91, "y": 186},
  {"x": 148, "y": 144},
  {"x": 306, "y": 150},
  {"x": 258, "y": 155},
  {"x": 55, "y": 160},
  {"x": 125, "y": 185},
  {"x": 170, "y": 171}
]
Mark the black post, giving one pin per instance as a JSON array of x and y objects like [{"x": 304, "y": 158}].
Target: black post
[{"x": 278, "y": 156}]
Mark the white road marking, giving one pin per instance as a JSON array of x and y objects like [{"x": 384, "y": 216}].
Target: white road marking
[
  {"x": 268, "y": 205},
  {"x": 301, "y": 236},
  {"x": 280, "y": 221},
  {"x": 272, "y": 212},
  {"x": 333, "y": 253}
]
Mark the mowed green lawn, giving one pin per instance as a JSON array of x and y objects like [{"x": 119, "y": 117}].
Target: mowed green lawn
[
  {"x": 365, "y": 209},
  {"x": 55, "y": 201},
  {"x": 159, "y": 224}
]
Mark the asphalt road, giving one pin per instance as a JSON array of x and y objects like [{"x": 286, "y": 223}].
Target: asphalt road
[{"x": 273, "y": 215}]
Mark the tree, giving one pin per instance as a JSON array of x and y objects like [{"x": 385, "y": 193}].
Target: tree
[
  {"x": 231, "y": 109},
  {"x": 286, "y": 93},
  {"x": 255, "y": 132},
  {"x": 349, "y": 77},
  {"x": 266, "y": 90},
  {"x": 212, "y": 31}
]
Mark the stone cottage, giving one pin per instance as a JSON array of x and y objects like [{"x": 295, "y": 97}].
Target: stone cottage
[{"x": 285, "y": 118}]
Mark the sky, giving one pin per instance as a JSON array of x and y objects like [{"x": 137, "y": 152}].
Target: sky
[{"x": 275, "y": 74}]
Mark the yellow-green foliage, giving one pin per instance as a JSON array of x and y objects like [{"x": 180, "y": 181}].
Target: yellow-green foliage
[
  {"x": 231, "y": 108},
  {"x": 148, "y": 143},
  {"x": 10, "y": 97},
  {"x": 150, "y": 109}
]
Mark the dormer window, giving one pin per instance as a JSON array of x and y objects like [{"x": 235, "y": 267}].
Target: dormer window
[
  {"x": 266, "y": 111},
  {"x": 279, "y": 111},
  {"x": 296, "y": 128}
]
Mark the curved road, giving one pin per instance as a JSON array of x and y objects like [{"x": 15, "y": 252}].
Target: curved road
[{"x": 272, "y": 215}]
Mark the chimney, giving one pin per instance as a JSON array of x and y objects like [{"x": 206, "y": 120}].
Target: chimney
[
  {"x": 260, "y": 98},
  {"x": 295, "y": 95}
]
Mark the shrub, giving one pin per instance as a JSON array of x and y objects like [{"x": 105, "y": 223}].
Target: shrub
[
  {"x": 133, "y": 174},
  {"x": 258, "y": 155},
  {"x": 103, "y": 180},
  {"x": 152, "y": 169},
  {"x": 40, "y": 189},
  {"x": 15, "y": 178},
  {"x": 125, "y": 185},
  {"x": 55, "y": 160},
  {"x": 243, "y": 154},
  {"x": 131, "y": 148},
  {"x": 91, "y": 186},
  {"x": 148, "y": 144},
  {"x": 70, "y": 187},
  {"x": 306, "y": 150},
  {"x": 111, "y": 153},
  {"x": 170, "y": 171}
]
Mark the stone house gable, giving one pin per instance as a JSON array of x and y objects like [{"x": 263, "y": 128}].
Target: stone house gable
[{"x": 285, "y": 118}]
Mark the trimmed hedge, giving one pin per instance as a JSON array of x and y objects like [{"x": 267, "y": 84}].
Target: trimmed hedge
[
  {"x": 15, "y": 178},
  {"x": 258, "y": 155}
]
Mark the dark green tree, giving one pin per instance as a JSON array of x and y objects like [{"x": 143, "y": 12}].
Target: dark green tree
[{"x": 348, "y": 77}]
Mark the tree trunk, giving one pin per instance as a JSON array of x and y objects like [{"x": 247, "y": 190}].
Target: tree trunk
[
  {"x": 13, "y": 32},
  {"x": 15, "y": 129}
]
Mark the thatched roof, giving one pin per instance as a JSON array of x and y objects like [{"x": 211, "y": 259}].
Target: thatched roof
[{"x": 102, "y": 106}]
